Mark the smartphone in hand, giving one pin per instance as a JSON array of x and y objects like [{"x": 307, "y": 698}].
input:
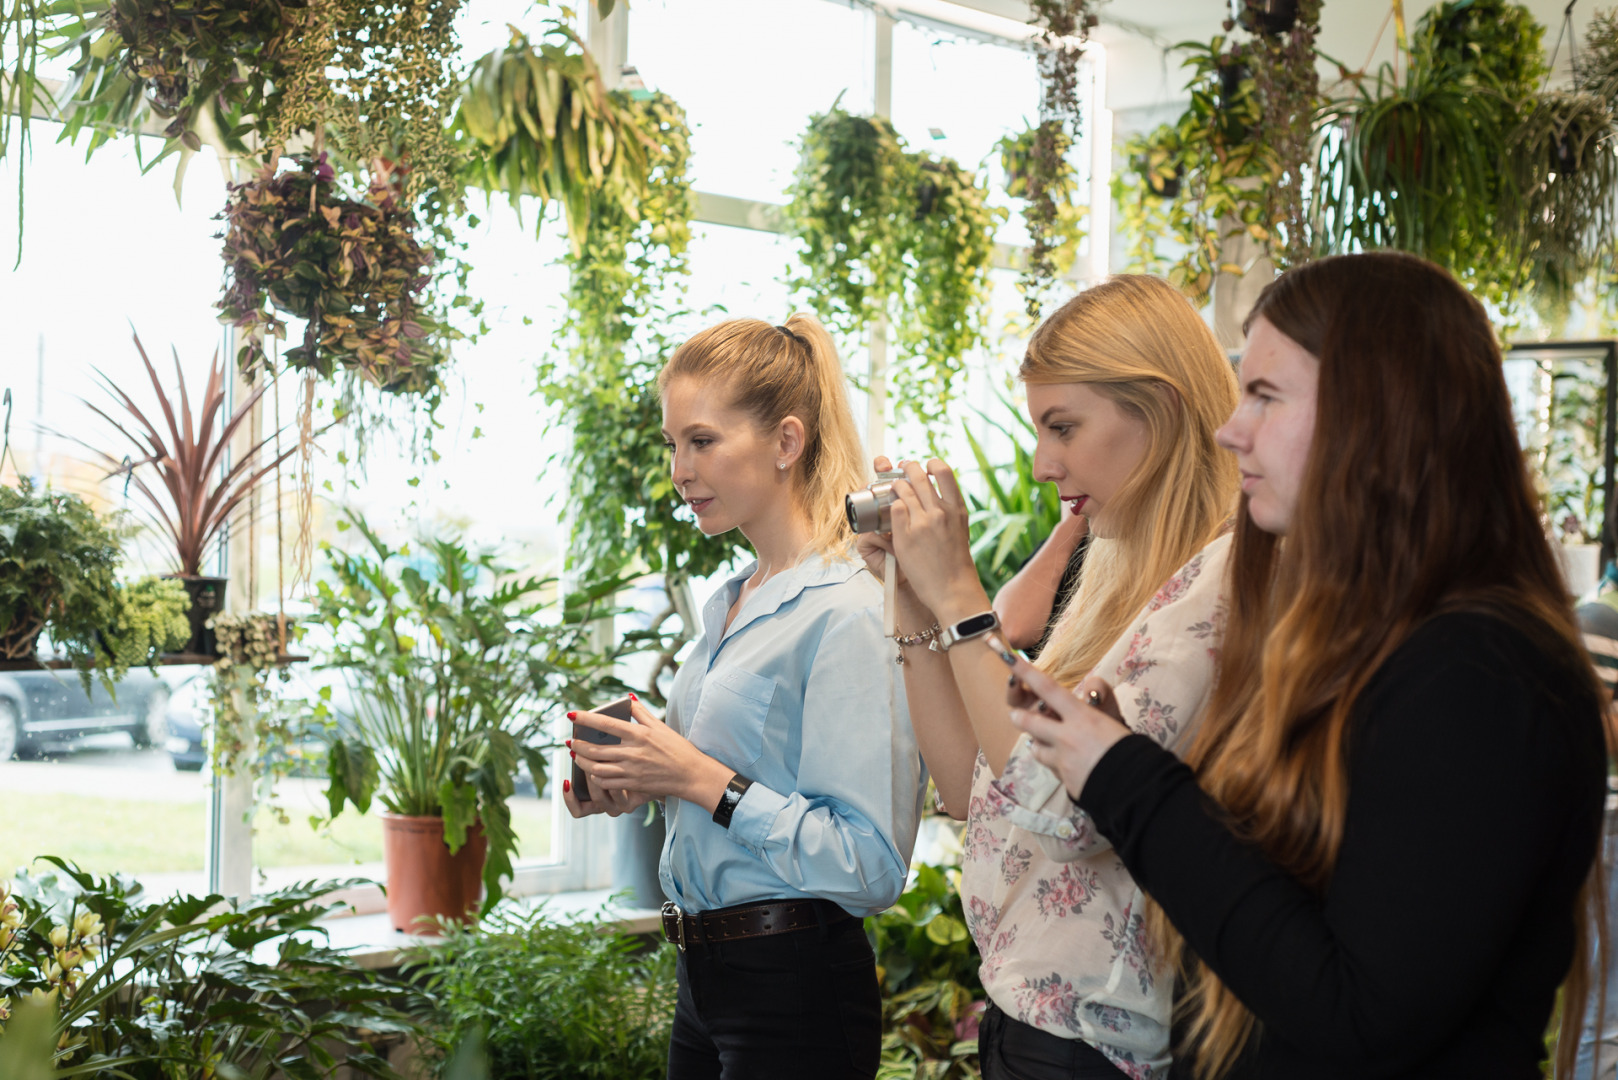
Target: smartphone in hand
[{"x": 618, "y": 710}]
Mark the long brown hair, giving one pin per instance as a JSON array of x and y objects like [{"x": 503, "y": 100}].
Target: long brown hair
[
  {"x": 1414, "y": 483},
  {"x": 771, "y": 373},
  {"x": 1136, "y": 340}
]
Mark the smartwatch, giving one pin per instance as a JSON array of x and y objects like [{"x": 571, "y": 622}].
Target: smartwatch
[
  {"x": 970, "y": 627},
  {"x": 729, "y": 798}
]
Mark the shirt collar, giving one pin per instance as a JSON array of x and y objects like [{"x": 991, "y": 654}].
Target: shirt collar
[{"x": 782, "y": 589}]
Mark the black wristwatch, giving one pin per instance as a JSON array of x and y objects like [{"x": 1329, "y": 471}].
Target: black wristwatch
[{"x": 729, "y": 798}]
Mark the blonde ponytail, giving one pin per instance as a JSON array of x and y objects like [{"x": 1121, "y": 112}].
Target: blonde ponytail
[{"x": 771, "y": 373}]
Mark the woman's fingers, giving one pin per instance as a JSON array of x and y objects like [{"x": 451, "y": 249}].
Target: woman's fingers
[
  {"x": 1096, "y": 692},
  {"x": 643, "y": 715},
  {"x": 881, "y": 464},
  {"x": 1042, "y": 727},
  {"x": 920, "y": 483},
  {"x": 608, "y": 724},
  {"x": 949, "y": 491}
]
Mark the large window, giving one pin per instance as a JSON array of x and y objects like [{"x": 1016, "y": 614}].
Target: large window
[{"x": 749, "y": 76}]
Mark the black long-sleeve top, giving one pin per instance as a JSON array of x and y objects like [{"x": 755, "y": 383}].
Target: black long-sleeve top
[{"x": 1476, "y": 766}]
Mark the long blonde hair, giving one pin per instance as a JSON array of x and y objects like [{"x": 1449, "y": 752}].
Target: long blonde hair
[
  {"x": 1132, "y": 338},
  {"x": 771, "y": 373}
]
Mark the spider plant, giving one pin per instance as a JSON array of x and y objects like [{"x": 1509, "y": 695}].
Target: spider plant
[
  {"x": 1414, "y": 163},
  {"x": 189, "y": 499},
  {"x": 1567, "y": 173}
]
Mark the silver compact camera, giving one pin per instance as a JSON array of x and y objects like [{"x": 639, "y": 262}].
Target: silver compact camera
[{"x": 868, "y": 508}]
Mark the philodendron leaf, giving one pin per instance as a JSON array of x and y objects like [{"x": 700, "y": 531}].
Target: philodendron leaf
[
  {"x": 352, "y": 769},
  {"x": 460, "y": 803}
]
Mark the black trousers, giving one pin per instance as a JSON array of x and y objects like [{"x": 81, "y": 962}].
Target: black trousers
[
  {"x": 1009, "y": 1049},
  {"x": 803, "y": 1005}
]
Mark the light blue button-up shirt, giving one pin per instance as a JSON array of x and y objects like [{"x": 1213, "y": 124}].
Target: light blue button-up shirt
[{"x": 802, "y": 697}]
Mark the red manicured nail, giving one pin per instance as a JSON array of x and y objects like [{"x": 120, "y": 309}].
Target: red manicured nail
[
  {"x": 632, "y": 697},
  {"x": 571, "y": 754},
  {"x": 568, "y": 743},
  {"x": 567, "y": 786},
  {"x": 572, "y": 715}
]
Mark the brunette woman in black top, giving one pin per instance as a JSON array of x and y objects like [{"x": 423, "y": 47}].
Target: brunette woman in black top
[{"x": 1374, "y": 861}]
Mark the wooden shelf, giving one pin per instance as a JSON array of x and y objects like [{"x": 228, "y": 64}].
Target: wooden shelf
[{"x": 166, "y": 660}]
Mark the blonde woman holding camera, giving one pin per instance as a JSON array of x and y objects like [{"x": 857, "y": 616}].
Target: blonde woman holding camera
[
  {"x": 791, "y": 774},
  {"x": 1126, "y": 388}
]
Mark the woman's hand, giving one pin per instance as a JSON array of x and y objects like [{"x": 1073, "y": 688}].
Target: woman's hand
[
  {"x": 651, "y": 761},
  {"x": 1070, "y": 731},
  {"x": 607, "y": 801},
  {"x": 931, "y": 540},
  {"x": 874, "y": 546}
]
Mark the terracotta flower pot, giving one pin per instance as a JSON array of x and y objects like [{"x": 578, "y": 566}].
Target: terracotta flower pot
[{"x": 424, "y": 879}]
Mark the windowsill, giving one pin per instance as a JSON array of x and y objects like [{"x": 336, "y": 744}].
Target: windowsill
[{"x": 373, "y": 942}]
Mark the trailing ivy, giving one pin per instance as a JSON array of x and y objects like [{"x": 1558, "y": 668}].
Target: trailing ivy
[
  {"x": 887, "y": 233},
  {"x": 1045, "y": 173},
  {"x": 1286, "y": 88},
  {"x": 1053, "y": 219}
]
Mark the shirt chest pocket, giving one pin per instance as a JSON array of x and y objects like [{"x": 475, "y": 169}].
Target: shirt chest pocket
[{"x": 730, "y": 716}]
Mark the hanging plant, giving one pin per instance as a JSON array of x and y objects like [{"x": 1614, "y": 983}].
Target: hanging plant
[
  {"x": 944, "y": 308},
  {"x": 210, "y": 67},
  {"x": 247, "y": 711},
  {"x": 887, "y": 233},
  {"x": 538, "y": 120},
  {"x": 848, "y": 200},
  {"x": 1419, "y": 160},
  {"x": 1567, "y": 175},
  {"x": 1146, "y": 192},
  {"x": 1061, "y": 26},
  {"x": 351, "y": 268},
  {"x": 1286, "y": 89},
  {"x": 1053, "y": 216}
]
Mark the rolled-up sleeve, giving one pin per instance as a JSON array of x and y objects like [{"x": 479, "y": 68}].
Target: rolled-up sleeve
[{"x": 846, "y": 832}]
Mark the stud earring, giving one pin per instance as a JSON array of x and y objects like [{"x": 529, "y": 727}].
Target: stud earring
[{"x": 780, "y": 464}]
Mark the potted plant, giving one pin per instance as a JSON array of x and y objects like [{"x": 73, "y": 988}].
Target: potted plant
[
  {"x": 57, "y": 566},
  {"x": 454, "y": 676},
  {"x": 193, "y": 494},
  {"x": 189, "y": 986}
]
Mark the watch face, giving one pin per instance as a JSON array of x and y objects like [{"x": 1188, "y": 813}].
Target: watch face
[{"x": 977, "y": 624}]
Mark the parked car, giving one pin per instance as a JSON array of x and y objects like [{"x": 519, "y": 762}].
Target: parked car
[{"x": 37, "y": 707}]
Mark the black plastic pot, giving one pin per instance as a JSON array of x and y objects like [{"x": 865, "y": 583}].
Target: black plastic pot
[
  {"x": 1265, "y": 16},
  {"x": 1230, "y": 82},
  {"x": 1564, "y": 157},
  {"x": 1167, "y": 188},
  {"x": 207, "y": 596}
]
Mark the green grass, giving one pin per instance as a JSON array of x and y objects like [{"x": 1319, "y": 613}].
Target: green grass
[{"x": 134, "y": 836}]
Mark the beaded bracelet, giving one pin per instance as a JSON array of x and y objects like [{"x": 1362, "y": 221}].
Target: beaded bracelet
[{"x": 920, "y": 637}]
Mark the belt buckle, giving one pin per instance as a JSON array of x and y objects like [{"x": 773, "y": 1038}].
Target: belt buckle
[{"x": 673, "y": 916}]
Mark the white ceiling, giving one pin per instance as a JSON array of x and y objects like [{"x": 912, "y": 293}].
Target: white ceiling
[{"x": 1136, "y": 33}]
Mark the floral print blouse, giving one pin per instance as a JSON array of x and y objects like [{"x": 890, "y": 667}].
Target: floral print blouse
[{"x": 1057, "y": 918}]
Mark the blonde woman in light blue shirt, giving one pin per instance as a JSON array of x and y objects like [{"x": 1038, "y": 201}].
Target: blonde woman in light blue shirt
[{"x": 792, "y": 778}]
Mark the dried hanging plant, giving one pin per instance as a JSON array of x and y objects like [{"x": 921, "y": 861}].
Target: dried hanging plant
[{"x": 1062, "y": 24}]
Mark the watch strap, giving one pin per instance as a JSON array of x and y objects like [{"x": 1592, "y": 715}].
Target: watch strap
[
  {"x": 970, "y": 627},
  {"x": 729, "y": 799}
]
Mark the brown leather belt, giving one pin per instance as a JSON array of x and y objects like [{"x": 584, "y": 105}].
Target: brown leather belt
[{"x": 686, "y": 928}]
